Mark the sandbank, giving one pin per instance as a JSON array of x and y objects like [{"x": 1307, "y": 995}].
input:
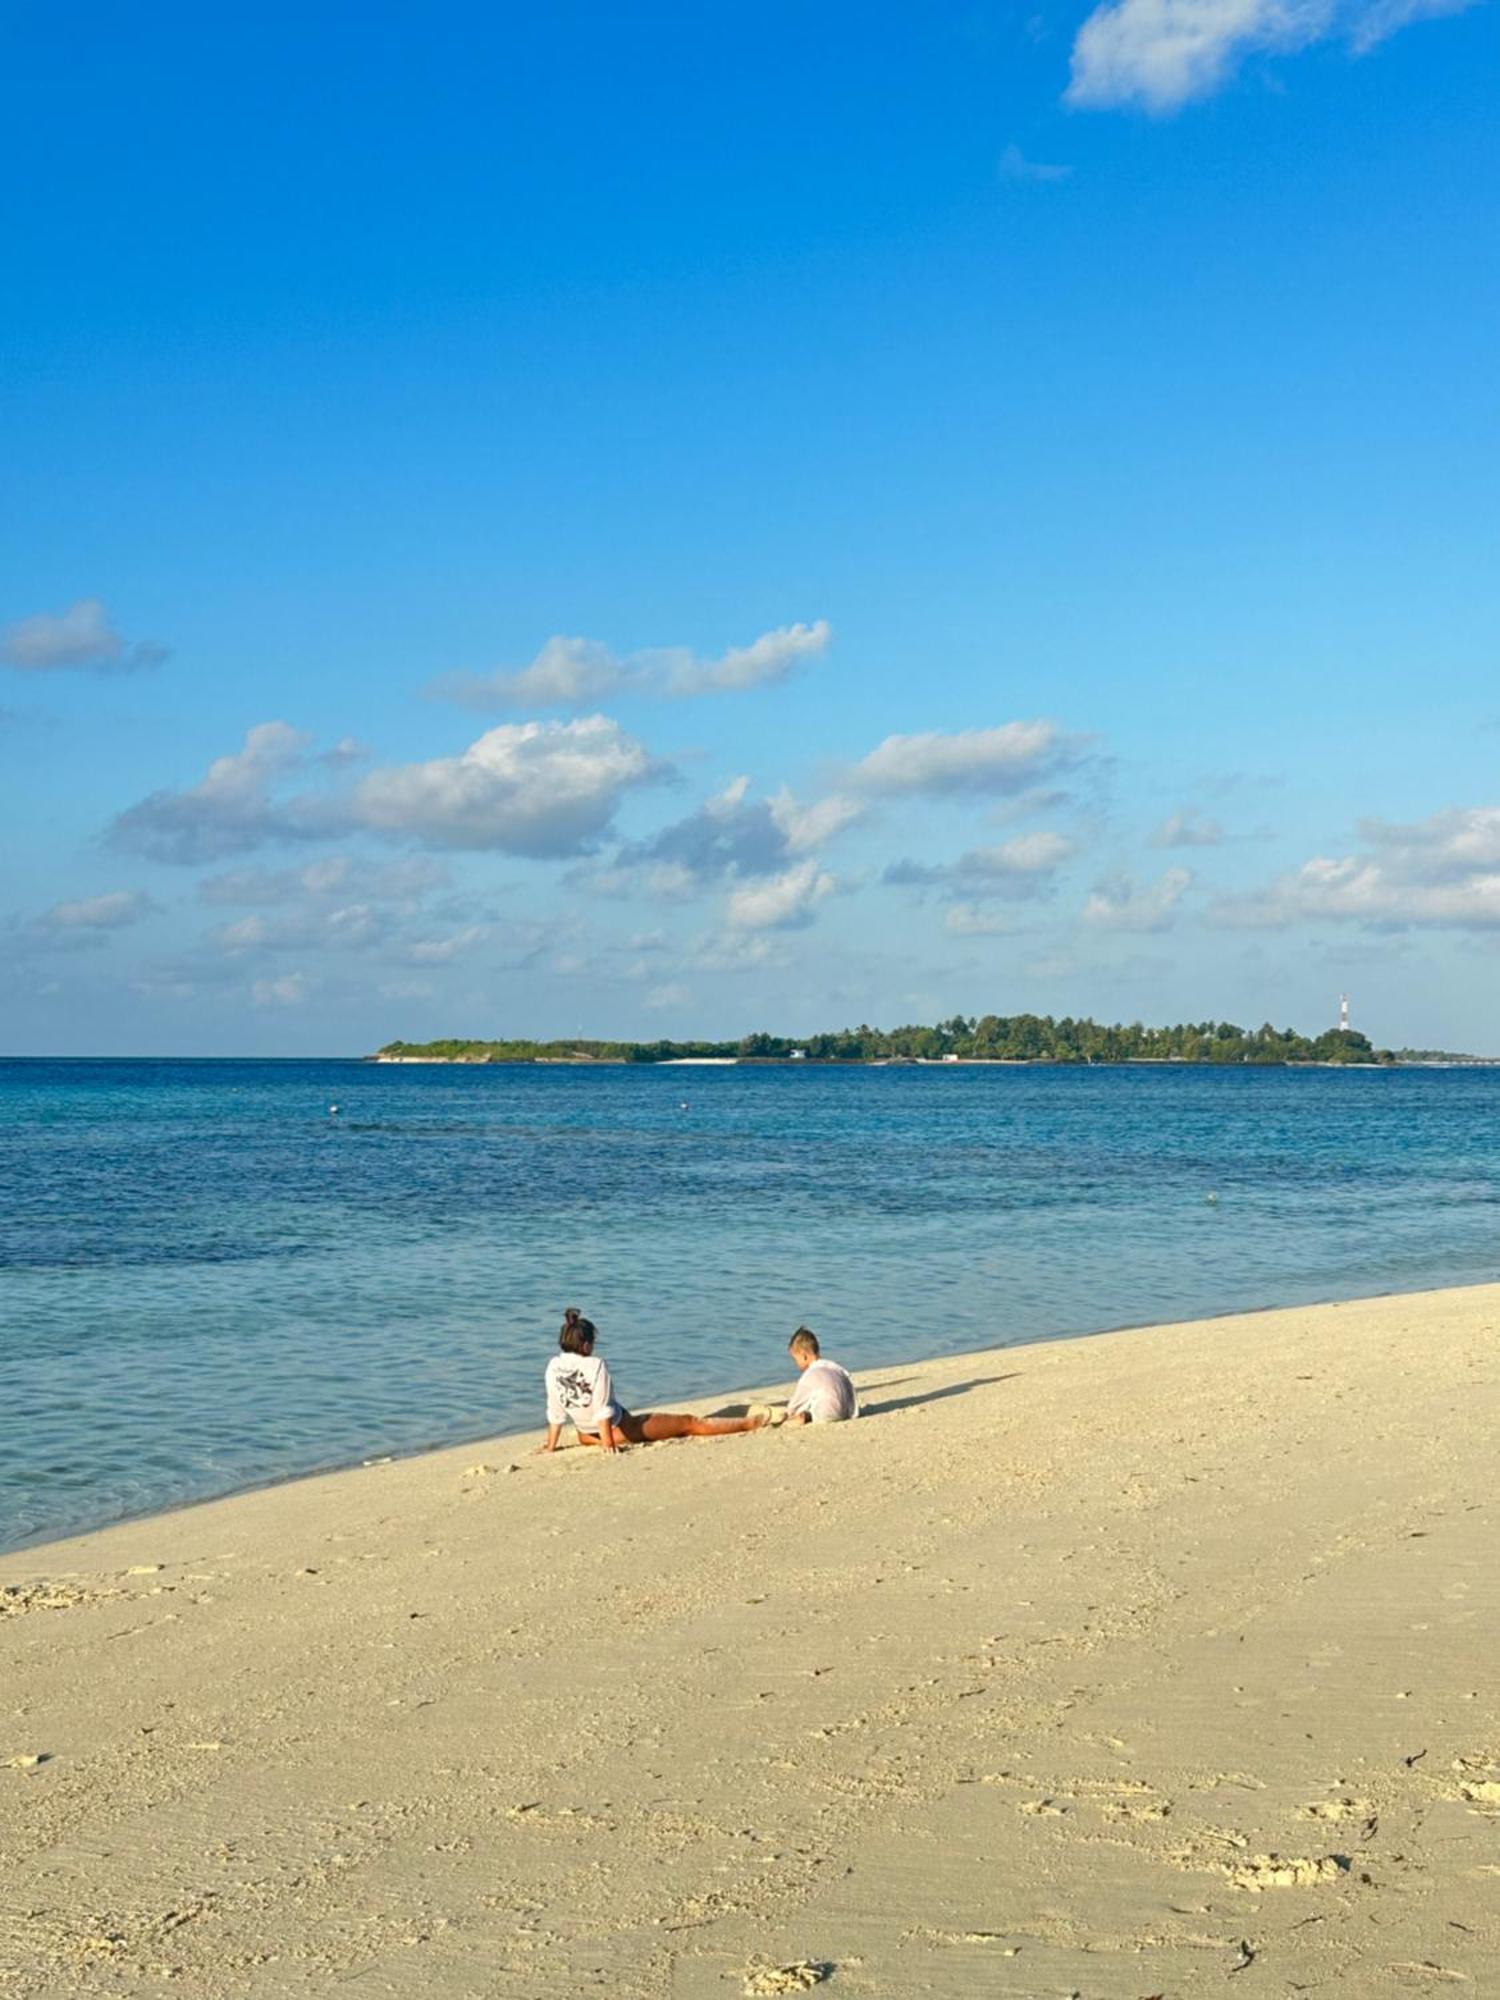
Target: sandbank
[{"x": 1156, "y": 1663}]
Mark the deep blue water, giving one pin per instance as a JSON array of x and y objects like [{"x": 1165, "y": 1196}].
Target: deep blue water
[{"x": 207, "y": 1281}]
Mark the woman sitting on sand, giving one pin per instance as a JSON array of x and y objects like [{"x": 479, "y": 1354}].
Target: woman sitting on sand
[{"x": 579, "y": 1393}]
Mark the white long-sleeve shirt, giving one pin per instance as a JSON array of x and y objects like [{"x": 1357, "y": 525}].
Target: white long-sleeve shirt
[
  {"x": 579, "y": 1392},
  {"x": 825, "y": 1394}
]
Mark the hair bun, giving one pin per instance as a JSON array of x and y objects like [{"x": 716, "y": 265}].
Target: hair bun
[{"x": 571, "y": 1316}]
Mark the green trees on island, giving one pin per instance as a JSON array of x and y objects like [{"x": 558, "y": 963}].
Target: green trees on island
[{"x": 973, "y": 1038}]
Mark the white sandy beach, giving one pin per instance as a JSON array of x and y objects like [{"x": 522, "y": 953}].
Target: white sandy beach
[{"x": 1157, "y": 1663}]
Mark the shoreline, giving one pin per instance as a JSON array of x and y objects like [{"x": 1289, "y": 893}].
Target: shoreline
[
  {"x": 700, "y": 1404},
  {"x": 1096, "y": 1665}
]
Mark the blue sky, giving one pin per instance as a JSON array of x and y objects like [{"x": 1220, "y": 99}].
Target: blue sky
[{"x": 678, "y": 520}]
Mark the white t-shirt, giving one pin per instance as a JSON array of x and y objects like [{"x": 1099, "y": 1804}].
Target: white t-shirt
[
  {"x": 825, "y": 1394},
  {"x": 579, "y": 1392}
]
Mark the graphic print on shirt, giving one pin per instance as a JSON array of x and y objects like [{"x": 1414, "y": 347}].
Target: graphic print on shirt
[{"x": 574, "y": 1389}]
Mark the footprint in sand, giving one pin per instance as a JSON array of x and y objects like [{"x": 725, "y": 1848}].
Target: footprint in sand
[{"x": 1336, "y": 1809}]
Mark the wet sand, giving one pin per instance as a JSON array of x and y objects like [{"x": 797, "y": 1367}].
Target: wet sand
[{"x": 1158, "y": 1663}]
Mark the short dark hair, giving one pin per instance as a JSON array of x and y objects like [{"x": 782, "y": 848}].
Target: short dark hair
[
  {"x": 804, "y": 1341},
  {"x": 577, "y": 1335}
]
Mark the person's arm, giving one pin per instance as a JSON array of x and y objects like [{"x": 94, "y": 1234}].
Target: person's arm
[
  {"x": 604, "y": 1403},
  {"x": 556, "y": 1414}
]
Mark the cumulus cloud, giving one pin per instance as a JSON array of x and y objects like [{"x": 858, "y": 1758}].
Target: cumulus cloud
[
  {"x": 804, "y": 827},
  {"x": 574, "y": 673},
  {"x": 1188, "y": 828},
  {"x": 724, "y": 840},
  {"x": 1025, "y": 867},
  {"x": 566, "y": 673},
  {"x": 1161, "y": 54},
  {"x": 1121, "y": 904},
  {"x": 542, "y": 789},
  {"x": 115, "y": 911},
  {"x": 536, "y": 788},
  {"x": 1438, "y": 873},
  {"x": 81, "y": 638},
  {"x": 229, "y": 811},
  {"x": 782, "y": 902},
  {"x": 769, "y": 658},
  {"x": 1003, "y": 761}
]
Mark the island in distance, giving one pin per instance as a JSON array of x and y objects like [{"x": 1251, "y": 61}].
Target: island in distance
[{"x": 985, "y": 1038}]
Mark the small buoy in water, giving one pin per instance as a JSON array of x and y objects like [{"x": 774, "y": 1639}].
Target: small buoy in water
[
  {"x": 683, "y": 1106},
  {"x": 1213, "y": 1198},
  {"x": 333, "y": 1111}
]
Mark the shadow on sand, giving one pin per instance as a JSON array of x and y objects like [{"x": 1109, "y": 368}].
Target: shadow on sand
[
  {"x": 888, "y": 1408},
  {"x": 867, "y": 1409}
]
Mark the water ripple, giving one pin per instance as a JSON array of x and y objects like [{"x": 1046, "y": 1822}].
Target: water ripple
[{"x": 207, "y": 1281}]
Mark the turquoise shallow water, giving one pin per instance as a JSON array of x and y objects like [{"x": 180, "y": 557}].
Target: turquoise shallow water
[{"x": 206, "y": 1281}]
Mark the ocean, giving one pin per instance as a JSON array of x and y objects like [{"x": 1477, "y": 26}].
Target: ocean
[{"x": 210, "y": 1279}]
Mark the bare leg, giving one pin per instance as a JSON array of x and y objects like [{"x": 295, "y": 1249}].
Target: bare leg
[{"x": 659, "y": 1425}]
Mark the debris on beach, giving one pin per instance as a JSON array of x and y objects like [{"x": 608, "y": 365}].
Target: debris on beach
[
  {"x": 16, "y": 1599},
  {"x": 798, "y": 1978},
  {"x": 1281, "y": 1871}
]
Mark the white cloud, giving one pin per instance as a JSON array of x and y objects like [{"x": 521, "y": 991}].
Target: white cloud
[
  {"x": 1440, "y": 873},
  {"x": 291, "y": 990},
  {"x": 227, "y": 812},
  {"x": 970, "y": 920},
  {"x": 81, "y": 637},
  {"x": 1161, "y": 54},
  {"x": 1014, "y": 166},
  {"x": 1123, "y": 905},
  {"x": 736, "y": 952},
  {"x": 728, "y": 838},
  {"x": 1188, "y": 828},
  {"x": 340, "y": 876},
  {"x": 566, "y": 673},
  {"x": 573, "y": 672},
  {"x": 806, "y": 827},
  {"x": 765, "y": 660},
  {"x": 1447, "y": 847},
  {"x": 443, "y": 950},
  {"x": 533, "y": 788},
  {"x": 783, "y": 902},
  {"x": 1003, "y": 760},
  {"x": 112, "y": 912},
  {"x": 346, "y": 927},
  {"x": 1376, "y": 23},
  {"x": 1023, "y": 867}
]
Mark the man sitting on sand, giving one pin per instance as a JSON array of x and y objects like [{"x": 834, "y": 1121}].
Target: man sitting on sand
[{"x": 826, "y": 1394}]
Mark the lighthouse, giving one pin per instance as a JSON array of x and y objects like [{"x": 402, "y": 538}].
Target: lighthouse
[{"x": 1343, "y": 1013}]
